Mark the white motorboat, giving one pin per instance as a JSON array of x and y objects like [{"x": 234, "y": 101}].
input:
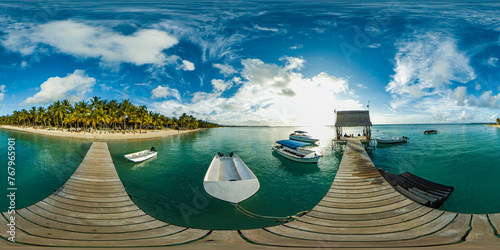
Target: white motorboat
[
  {"x": 291, "y": 150},
  {"x": 300, "y": 135},
  {"x": 386, "y": 140},
  {"x": 141, "y": 155},
  {"x": 229, "y": 179}
]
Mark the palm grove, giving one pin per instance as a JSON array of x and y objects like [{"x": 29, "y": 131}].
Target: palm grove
[{"x": 100, "y": 115}]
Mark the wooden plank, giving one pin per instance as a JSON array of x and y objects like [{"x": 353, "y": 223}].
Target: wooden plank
[
  {"x": 481, "y": 230},
  {"x": 363, "y": 211},
  {"x": 495, "y": 220},
  {"x": 363, "y": 200},
  {"x": 87, "y": 209},
  {"x": 42, "y": 221},
  {"x": 366, "y": 204},
  {"x": 396, "y": 227},
  {"x": 360, "y": 217},
  {"x": 91, "y": 204},
  {"x": 417, "y": 231},
  {"x": 422, "y": 210}
]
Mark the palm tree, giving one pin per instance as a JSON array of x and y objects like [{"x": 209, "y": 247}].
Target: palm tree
[
  {"x": 23, "y": 116},
  {"x": 142, "y": 114},
  {"x": 33, "y": 115},
  {"x": 125, "y": 111},
  {"x": 498, "y": 120},
  {"x": 83, "y": 110},
  {"x": 66, "y": 108},
  {"x": 42, "y": 116}
]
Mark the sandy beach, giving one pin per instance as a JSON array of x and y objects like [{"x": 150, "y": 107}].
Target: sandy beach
[
  {"x": 146, "y": 135},
  {"x": 494, "y": 125}
]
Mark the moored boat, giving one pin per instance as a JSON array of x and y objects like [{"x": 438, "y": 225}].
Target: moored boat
[
  {"x": 300, "y": 135},
  {"x": 291, "y": 150},
  {"x": 229, "y": 179},
  {"x": 386, "y": 140},
  {"x": 141, "y": 155},
  {"x": 430, "y": 132}
]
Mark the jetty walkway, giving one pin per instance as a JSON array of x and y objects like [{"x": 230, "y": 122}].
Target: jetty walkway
[{"x": 361, "y": 210}]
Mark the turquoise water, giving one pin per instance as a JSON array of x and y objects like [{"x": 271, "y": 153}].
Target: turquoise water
[
  {"x": 466, "y": 157},
  {"x": 42, "y": 165},
  {"x": 170, "y": 186}
]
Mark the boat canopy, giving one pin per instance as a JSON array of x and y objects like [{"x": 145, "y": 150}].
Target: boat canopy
[
  {"x": 300, "y": 131},
  {"x": 292, "y": 144}
]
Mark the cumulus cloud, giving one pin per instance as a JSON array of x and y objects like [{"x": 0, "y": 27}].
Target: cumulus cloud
[
  {"x": 225, "y": 69},
  {"x": 187, "y": 65},
  {"x": 164, "y": 92},
  {"x": 73, "y": 87},
  {"x": 220, "y": 85},
  {"x": 81, "y": 40},
  {"x": 425, "y": 65},
  {"x": 268, "y": 94},
  {"x": 459, "y": 94},
  {"x": 2, "y": 92}
]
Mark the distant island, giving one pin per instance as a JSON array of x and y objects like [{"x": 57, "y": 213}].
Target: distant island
[{"x": 101, "y": 117}]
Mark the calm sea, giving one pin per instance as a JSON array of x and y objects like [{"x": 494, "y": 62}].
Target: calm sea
[{"x": 170, "y": 186}]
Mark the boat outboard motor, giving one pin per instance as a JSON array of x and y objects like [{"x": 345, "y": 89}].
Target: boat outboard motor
[
  {"x": 153, "y": 149},
  {"x": 231, "y": 154},
  {"x": 220, "y": 154}
]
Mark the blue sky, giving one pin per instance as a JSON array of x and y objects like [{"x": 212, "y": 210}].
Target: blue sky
[{"x": 256, "y": 62}]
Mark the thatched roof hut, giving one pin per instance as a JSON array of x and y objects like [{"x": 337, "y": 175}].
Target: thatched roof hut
[{"x": 353, "y": 118}]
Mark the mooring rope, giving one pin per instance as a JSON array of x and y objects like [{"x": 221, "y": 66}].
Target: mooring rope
[{"x": 268, "y": 218}]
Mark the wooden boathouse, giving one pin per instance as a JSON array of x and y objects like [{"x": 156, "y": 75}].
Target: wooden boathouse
[{"x": 360, "y": 210}]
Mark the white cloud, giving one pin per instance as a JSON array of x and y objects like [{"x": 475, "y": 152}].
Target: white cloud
[
  {"x": 492, "y": 61},
  {"x": 73, "y": 87},
  {"x": 220, "y": 85},
  {"x": 459, "y": 94},
  {"x": 165, "y": 91},
  {"x": 269, "y": 94},
  {"x": 374, "y": 45},
  {"x": 187, "y": 65},
  {"x": 265, "y": 29},
  {"x": 2, "y": 92},
  {"x": 225, "y": 69},
  {"x": 425, "y": 65},
  {"x": 297, "y": 46},
  {"x": 81, "y": 40}
]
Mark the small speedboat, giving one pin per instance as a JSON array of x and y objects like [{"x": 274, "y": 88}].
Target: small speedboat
[
  {"x": 141, "y": 155},
  {"x": 229, "y": 179},
  {"x": 300, "y": 135},
  {"x": 386, "y": 140},
  {"x": 291, "y": 150},
  {"x": 430, "y": 132}
]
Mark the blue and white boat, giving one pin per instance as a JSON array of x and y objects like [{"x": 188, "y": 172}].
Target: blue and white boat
[
  {"x": 300, "y": 135},
  {"x": 292, "y": 150}
]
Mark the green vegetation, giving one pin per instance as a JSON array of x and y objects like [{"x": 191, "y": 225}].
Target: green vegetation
[
  {"x": 498, "y": 120},
  {"x": 102, "y": 115}
]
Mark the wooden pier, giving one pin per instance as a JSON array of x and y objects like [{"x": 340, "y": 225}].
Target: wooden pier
[
  {"x": 361, "y": 210},
  {"x": 92, "y": 209}
]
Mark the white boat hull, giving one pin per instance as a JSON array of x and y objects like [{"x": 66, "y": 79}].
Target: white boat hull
[
  {"x": 303, "y": 138},
  {"x": 314, "y": 159},
  {"x": 390, "y": 140},
  {"x": 141, "y": 155},
  {"x": 229, "y": 179}
]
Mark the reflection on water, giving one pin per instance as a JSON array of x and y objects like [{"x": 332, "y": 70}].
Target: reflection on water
[{"x": 170, "y": 187}]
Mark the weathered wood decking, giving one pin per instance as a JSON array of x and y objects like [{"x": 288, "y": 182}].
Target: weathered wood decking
[
  {"x": 360, "y": 210},
  {"x": 92, "y": 209}
]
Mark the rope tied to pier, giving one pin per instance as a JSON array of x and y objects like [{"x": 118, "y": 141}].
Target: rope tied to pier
[{"x": 275, "y": 219}]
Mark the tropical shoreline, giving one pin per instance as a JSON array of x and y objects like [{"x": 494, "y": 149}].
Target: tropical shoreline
[
  {"x": 148, "y": 135},
  {"x": 494, "y": 125}
]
